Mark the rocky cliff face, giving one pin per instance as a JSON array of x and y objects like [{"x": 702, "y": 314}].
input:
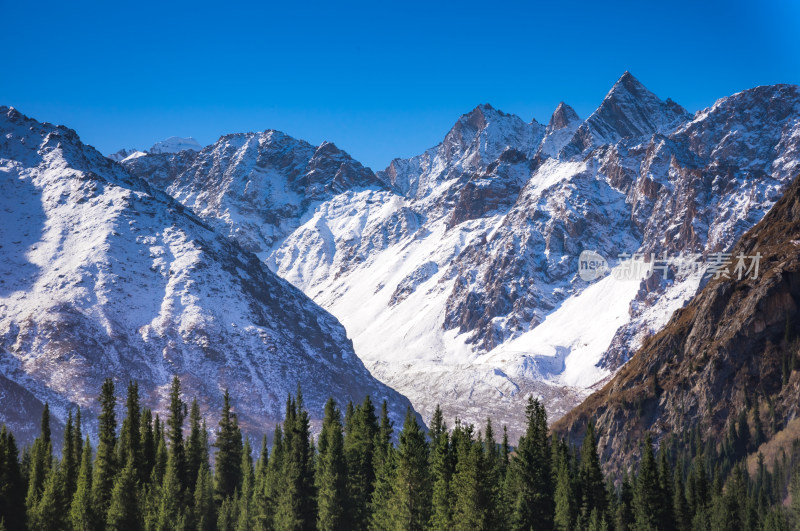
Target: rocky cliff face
[
  {"x": 102, "y": 275},
  {"x": 725, "y": 352},
  {"x": 456, "y": 275}
]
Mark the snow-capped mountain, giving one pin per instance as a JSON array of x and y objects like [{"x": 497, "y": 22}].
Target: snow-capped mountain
[
  {"x": 103, "y": 275},
  {"x": 173, "y": 144},
  {"x": 455, "y": 272}
]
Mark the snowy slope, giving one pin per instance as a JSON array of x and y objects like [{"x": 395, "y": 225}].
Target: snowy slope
[
  {"x": 102, "y": 275},
  {"x": 455, "y": 274}
]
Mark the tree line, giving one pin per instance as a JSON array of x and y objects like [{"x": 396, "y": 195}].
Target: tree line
[{"x": 149, "y": 474}]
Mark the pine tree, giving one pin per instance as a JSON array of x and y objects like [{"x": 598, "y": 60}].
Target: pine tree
[
  {"x": 565, "y": 504},
  {"x": 147, "y": 442},
  {"x": 269, "y": 486},
  {"x": 196, "y": 451},
  {"x": 130, "y": 443},
  {"x": 49, "y": 513},
  {"x": 590, "y": 477},
  {"x": 228, "y": 515},
  {"x": 470, "y": 506},
  {"x": 41, "y": 462},
  {"x": 331, "y": 471},
  {"x": 359, "y": 446},
  {"x": 77, "y": 437},
  {"x": 124, "y": 513},
  {"x": 382, "y": 502},
  {"x": 161, "y": 460},
  {"x": 244, "y": 520},
  {"x": 680, "y": 506},
  {"x": 105, "y": 466},
  {"x": 411, "y": 492},
  {"x": 647, "y": 497},
  {"x": 624, "y": 518},
  {"x": 175, "y": 419},
  {"x": 441, "y": 474},
  {"x": 529, "y": 486},
  {"x": 383, "y": 439},
  {"x": 204, "y": 516},
  {"x": 493, "y": 479},
  {"x": 295, "y": 508},
  {"x": 228, "y": 459},
  {"x": 12, "y": 484},
  {"x": 81, "y": 516},
  {"x": 68, "y": 462},
  {"x": 171, "y": 508}
]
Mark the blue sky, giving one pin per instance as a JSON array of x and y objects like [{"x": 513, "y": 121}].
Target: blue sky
[{"x": 380, "y": 79}]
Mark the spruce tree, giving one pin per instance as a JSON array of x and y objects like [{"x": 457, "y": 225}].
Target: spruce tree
[
  {"x": 471, "y": 497},
  {"x": 245, "y": 517},
  {"x": 41, "y": 462},
  {"x": 49, "y": 513},
  {"x": 680, "y": 506},
  {"x": 77, "y": 437},
  {"x": 382, "y": 502},
  {"x": 565, "y": 504},
  {"x": 529, "y": 487},
  {"x": 268, "y": 488},
  {"x": 196, "y": 451},
  {"x": 81, "y": 516},
  {"x": 12, "y": 483},
  {"x": 296, "y": 508},
  {"x": 359, "y": 447},
  {"x": 331, "y": 477},
  {"x": 130, "y": 442},
  {"x": 228, "y": 458},
  {"x": 441, "y": 474},
  {"x": 124, "y": 513},
  {"x": 624, "y": 519},
  {"x": 590, "y": 477},
  {"x": 105, "y": 465},
  {"x": 68, "y": 463},
  {"x": 204, "y": 515},
  {"x": 647, "y": 495},
  {"x": 147, "y": 442},
  {"x": 175, "y": 419},
  {"x": 171, "y": 507},
  {"x": 411, "y": 493}
]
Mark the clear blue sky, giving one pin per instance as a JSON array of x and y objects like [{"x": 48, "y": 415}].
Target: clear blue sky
[{"x": 380, "y": 79}]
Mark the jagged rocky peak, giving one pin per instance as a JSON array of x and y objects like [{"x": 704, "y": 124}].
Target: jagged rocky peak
[
  {"x": 629, "y": 111},
  {"x": 254, "y": 186},
  {"x": 564, "y": 116}
]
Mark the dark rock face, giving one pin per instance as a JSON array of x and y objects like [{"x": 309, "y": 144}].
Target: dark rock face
[
  {"x": 562, "y": 117},
  {"x": 721, "y": 352}
]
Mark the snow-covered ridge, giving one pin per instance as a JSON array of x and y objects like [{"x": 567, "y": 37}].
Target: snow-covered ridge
[
  {"x": 103, "y": 275},
  {"x": 173, "y": 144}
]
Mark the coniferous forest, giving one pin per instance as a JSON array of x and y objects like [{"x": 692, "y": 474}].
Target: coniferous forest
[{"x": 360, "y": 473}]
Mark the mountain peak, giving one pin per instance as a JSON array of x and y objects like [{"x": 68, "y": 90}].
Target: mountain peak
[
  {"x": 629, "y": 110},
  {"x": 562, "y": 117}
]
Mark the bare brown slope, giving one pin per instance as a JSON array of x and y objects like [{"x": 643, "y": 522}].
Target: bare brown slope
[{"x": 722, "y": 351}]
